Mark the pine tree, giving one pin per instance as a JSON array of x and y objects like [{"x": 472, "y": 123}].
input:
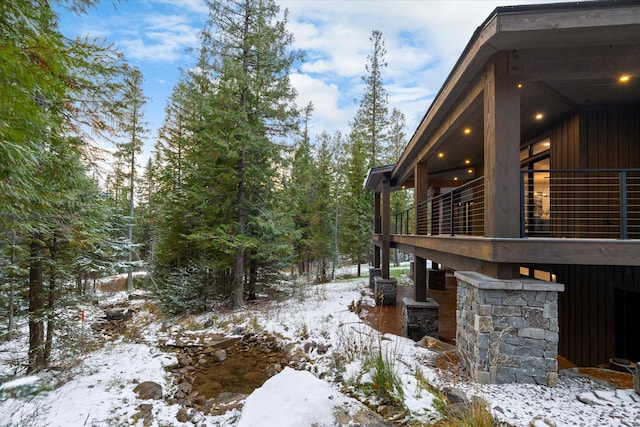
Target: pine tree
[
  {"x": 240, "y": 102},
  {"x": 367, "y": 139},
  {"x": 371, "y": 123},
  {"x": 303, "y": 196},
  {"x": 322, "y": 219},
  {"x": 133, "y": 129},
  {"x": 53, "y": 88}
]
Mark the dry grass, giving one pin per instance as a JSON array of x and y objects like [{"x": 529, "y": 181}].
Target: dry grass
[{"x": 474, "y": 415}]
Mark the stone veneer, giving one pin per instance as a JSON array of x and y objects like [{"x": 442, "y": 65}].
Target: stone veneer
[
  {"x": 385, "y": 290},
  {"x": 507, "y": 330},
  {"x": 420, "y": 319},
  {"x": 373, "y": 273}
]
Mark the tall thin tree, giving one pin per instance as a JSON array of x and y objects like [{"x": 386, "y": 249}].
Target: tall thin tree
[{"x": 134, "y": 130}]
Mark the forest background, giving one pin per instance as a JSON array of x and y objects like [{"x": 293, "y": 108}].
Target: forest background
[{"x": 236, "y": 193}]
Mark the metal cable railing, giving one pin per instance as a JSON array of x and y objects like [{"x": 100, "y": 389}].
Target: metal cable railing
[
  {"x": 404, "y": 223},
  {"x": 559, "y": 203},
  {"x": 460, "y": 211},
  {"x": 581, "y": 203}
]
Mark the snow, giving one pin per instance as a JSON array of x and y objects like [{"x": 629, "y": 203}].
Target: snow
[
  {"x": 98, "y": 389},
  {"x": 292, "y": 399},
  {"x": 19, "y": 382}
]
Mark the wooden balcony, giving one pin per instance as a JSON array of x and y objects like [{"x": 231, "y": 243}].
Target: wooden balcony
[{"x": 580, "y": 217}]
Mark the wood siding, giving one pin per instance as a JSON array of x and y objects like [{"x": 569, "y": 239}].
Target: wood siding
[
  {"x": 605, "y": 138},
  {"x": 590, "y": 318}
]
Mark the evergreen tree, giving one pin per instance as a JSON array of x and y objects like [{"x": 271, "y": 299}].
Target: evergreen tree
[
  {"x": 371, "y": 123},
  {"x": 322, "y": 212},
  {"x": 52, "y": 88},
  {"x": 133, "y": 129},
  {"x": 303, "y": 196},
  {"x": 233, "y": 223},
  {"x": 367, "y": 139},
  {"x": 356, "y": 218}
]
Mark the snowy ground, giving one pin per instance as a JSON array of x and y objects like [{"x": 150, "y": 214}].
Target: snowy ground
[{"x": 98, "y": 390}]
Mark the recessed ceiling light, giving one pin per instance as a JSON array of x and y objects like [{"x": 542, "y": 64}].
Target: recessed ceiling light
[
  {"x": 470, "y": 171},
  {"x": 539, "y": 116},
  {"x": 455, "y": 178},
  {"x": 519, "y": 85},
  {"x": 624, "y": 79},
  {"x": 441, "y": 155},
  {"x": 466, "y": 162},
  {"x": 467, "y": 131}
]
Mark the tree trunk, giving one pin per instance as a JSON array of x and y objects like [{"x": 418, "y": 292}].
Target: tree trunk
[
  {"x": 48, "y": 346},
  {"x": 12, "y": 286},
  {"x": 36, "y": 356},
  {"x": 253, "y": 276},
  {"x": 131, "y": 206}
]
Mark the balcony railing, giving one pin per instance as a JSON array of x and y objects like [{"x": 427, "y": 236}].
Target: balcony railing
[
  {"x": 460, "y": 211},
  {"x": 404, "y": 223},
  {"x": 582, "y": 203}
]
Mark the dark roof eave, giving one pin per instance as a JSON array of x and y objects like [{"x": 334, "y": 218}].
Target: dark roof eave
[
  {"x": 374, "y": 177},
  {"x": 399, "y": 169}
]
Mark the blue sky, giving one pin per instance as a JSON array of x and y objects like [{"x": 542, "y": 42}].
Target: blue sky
[{"x": 423, "y": 39}]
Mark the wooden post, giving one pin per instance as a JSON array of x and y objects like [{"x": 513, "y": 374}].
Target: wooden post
[
  {"x": 377, "y": 227},
  {"x": 501, "y": 150},
  {"x": 386, "y": 225},
  {"x": 420, "y": 278},
  {"x": 420, "y": 192},
  {"x": 376, "y": 213}
]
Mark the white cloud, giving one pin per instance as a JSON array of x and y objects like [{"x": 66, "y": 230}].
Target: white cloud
[
  {"x": 327, "y": 113},
  {"x": 423, "y": 39}
]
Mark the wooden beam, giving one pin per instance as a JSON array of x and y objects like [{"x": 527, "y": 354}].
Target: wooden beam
[
  {"x": 501, "y": 151},
  {"x": 574, "y": 63},
  {"x": 457, "y": 85},
  {"x": 526, "y": 251},
  {"x": 386, "y": 225},
  {"x": 470, "y": 103}
]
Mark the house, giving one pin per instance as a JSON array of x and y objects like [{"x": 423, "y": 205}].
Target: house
[{"x": 526, "y": 178}]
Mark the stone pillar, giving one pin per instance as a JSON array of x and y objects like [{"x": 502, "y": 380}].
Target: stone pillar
[
  {"x": 373, "y": 273},
  {"x": 507, "y": 330},
  {"x": 420, "y": 319},
  {"x": 385, "y": 290}
]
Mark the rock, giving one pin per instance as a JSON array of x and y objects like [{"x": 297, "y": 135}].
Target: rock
[
  {"x": 144, "y": 413},
  {"x": 116, "y": 313},
  {"x": 220, "y": 355},
  {"x": 435, "y": 344},
  {"x": 542, "y": 421},
  {"x": 184, "y": 361},
  {"x": 385, "y": 410},
  {"x": 455, "y": 396},
  {"x": 148, "y": 390},
  {"x": 185, "y": 387},
  {"x": 183, "y": 415}
]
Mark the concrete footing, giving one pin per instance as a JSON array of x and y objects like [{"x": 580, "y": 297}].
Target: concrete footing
[
  {"x": 420, "y": 319},
  {"x": 507, "y": 330},
  {"x": 385, "y": 290}
]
